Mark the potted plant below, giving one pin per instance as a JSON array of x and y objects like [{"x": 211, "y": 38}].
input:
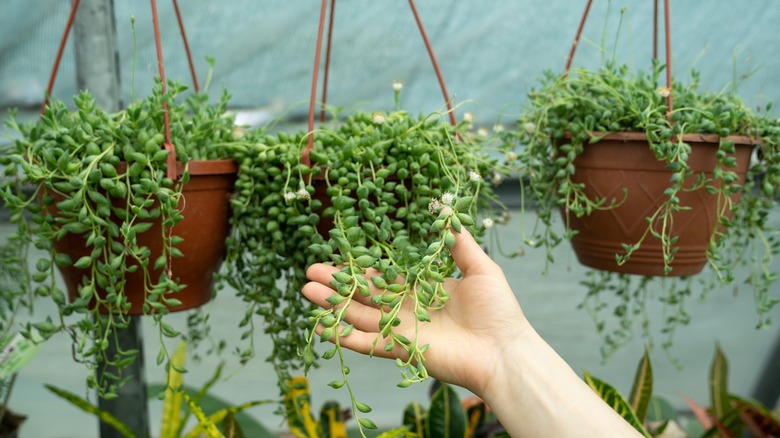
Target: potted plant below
[
  {"x": 15, "y": 351},
  {"x": 216, "y": 418},
  {"x": 729, "y": 415},
  {"x": 584, "y": 138}
]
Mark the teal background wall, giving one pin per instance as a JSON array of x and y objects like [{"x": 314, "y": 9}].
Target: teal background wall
[{"x": 491, "y": 52}]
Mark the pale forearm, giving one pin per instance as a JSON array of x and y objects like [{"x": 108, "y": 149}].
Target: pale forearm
[{"x": 535, "y": 393}]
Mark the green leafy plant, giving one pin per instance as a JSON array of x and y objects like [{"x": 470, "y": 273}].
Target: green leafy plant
[
  {"x": 728, "y": 416},
  {"x": 372, "y": 202},
  {"x": 635, "y": 408},
  {"x": 102, "y": 176},
  {"x": 178, "y": 405},
  {"x": 13, "y": 298},
  {"x": 446, "y": 416},
  {"x": 332, "y": 421},
  {"x": 569, "y": 113}
]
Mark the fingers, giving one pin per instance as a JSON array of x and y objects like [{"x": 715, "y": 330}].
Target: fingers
[
  {"x": 368, "y": 343},
  {"x": 362, "y": 316},
  {"x": 361, "y": 313},
  {"x": 321, "y": 273},
  {"x": 470, "y": 257}
]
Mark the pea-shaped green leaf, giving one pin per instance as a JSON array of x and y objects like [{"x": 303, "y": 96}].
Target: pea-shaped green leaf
[
  {"x": 83, "y": 262},
  {"x": 365, "y": 261}
]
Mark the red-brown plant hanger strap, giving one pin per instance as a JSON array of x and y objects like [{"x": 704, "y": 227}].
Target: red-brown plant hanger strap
[
  {"x": 172, "y": 166},
  {"x": 195, "y": 85},
  {"x": 327, "y": 59},
  {"x": 173, "y": 171},
  {"x": 53, "y": 76},
  {"x": 668, "y": 35},
  {"x": 436, "y": 69},
  {"x": 312, "y": 102},
  {"x": 320, "y": 31}
]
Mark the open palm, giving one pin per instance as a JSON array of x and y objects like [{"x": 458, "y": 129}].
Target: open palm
[{"x": 481, "y": 317}]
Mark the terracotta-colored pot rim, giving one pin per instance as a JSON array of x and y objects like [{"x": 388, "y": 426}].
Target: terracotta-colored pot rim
[
  {"x": 200, "y": 167},
  {"x": 686, "y": 138},
  {"x": 210, "y": 167}
]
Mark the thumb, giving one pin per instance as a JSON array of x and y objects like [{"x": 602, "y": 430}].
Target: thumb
[{"x": 470, "y": 257}]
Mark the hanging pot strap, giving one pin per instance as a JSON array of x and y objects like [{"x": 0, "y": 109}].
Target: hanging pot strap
[
  {"x": 323, "y": 11},
  {"x": 668, "y": 48},
  {"x": 173, "y": 171}
]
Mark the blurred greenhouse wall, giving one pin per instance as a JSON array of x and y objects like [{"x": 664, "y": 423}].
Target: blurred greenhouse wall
[{"x": 490, "y": 52}]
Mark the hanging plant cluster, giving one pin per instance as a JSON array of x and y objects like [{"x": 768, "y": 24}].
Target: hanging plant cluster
[
  {"x": 650, "y": 180},
  {"x": 90, "y": 190},
  {"x": 372, "y": 200}
]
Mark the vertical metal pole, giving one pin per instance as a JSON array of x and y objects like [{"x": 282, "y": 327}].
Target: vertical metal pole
[
  {"x": 97, "y": 69},
  {"x": 131, "y": 405},
  {"x": 97, "y": 60}
]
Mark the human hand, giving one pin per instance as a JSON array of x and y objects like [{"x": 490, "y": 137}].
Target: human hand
[
  {"x": 466, "y": 337},
  {"x": 481, "y": 340}
]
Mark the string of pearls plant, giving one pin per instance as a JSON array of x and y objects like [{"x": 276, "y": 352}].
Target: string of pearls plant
[
  {"x": 559, "y": 122},
  {"x": 372, "y": 202}
]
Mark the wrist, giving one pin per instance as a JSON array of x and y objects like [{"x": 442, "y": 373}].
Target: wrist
[
  {"x": 533, "y": 392},
  {"x": 506, "y": 365}
]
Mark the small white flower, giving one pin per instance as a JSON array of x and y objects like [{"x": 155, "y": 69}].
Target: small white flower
[
  {"x": 510, "y": 157},
  {"x": 529, "y": 127},
  {"x": 447, "y": 198},
  {"x": 289, "y": 196},
  {"x": 487, "y": 223},
  {"x": 468, "y": 117},
  {"x": 498, "y": 128},
  {"x": 505, "y": 217},
  {"x": 474, "y": 176},
  {"x": 434, "y": 206},
  {"x": 482, "y": 132},
  {"x": 378, "y": 118},
  {"x": 397, "y": 86},
  {"x": 302, "y": 194},
  {"x": 664, "y": 91},
  {"x": 497, "y": 178}
]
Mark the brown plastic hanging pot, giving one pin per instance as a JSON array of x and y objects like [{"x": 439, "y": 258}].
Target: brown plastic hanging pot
[
  {"x": 624, "y": 161},
  {"x": 204, "y": 206},
  {"x": 205, "y": 209}
]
